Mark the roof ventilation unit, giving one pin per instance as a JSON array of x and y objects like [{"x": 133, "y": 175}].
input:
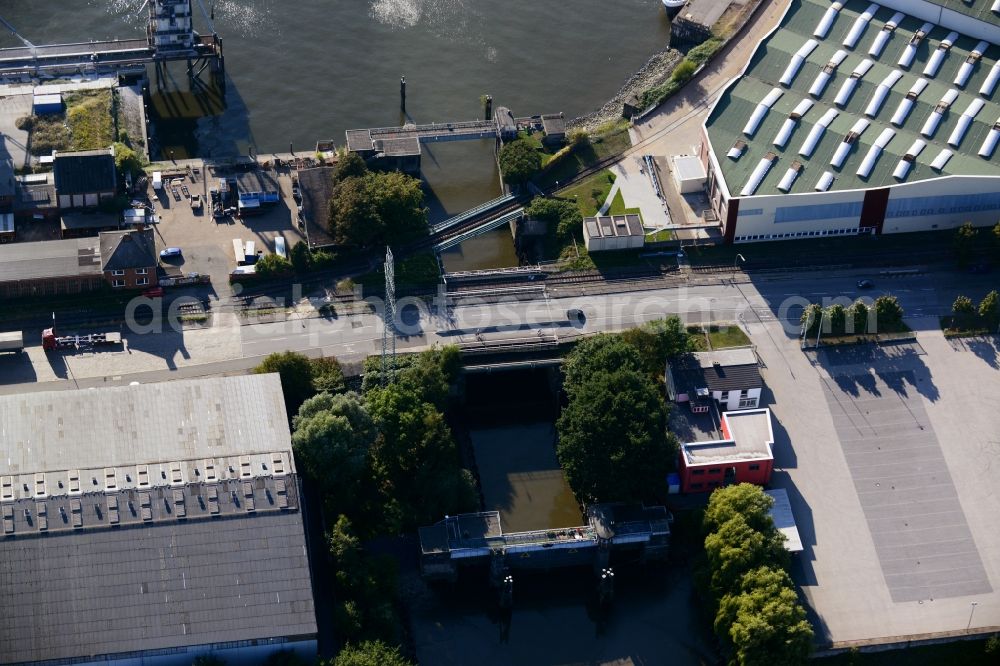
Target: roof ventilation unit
[
  {"x": 991, "y": 80},
  {"x": 965, "y": 71},
  {"x": 737, "y": 150},
  {"x": 785, "y": 133},
  {"x": 910, "y": 52},
  {"x": 941, "y": 159},
  {"x": 845, "y": 147},
  {"x": 990, "y": 143},
  {"x": 816, "y": 133},
  {"x": 934, "y": 63},
  {"x": 758, "y": 174},
  {"x": 906, "y": 163},
  {"x": 848, "y": 87},
  {"x": 789, "y": 178},
  {"x": 825, "y": 181},
  {"x": 825, "y": 23},
  {"x": 875, "y": 152},
  {"x": 882, "y": 38},
  {"x": 796, "y": 63},
  {"x": 758, "y": 114},
  {"x": 881, "y": 92},
  {"x": 937, "y": 115},
  {"x": 859, "y": 26},
  {"x": 825, "y": 74},
  {"x": 957, "y": 134},
  {"x": 906, "y": 104}
]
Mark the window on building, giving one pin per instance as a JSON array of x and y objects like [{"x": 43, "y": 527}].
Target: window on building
[
  {"x": 141, "y": 271},
  {"x": 118, "y": 283},
  {"x": 715, "y": 470},
  {"x": 141, "y": 282},
  {"x": 117, "y": 273},
  {"x": 697, "y": 472},
  {"x": 754, "y": 468},
  {"x": 697, "y": 486},
  {"x": 747, "y": 402}
]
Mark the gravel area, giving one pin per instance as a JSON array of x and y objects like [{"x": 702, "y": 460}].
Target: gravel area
[{"x": 655, "y": 71}]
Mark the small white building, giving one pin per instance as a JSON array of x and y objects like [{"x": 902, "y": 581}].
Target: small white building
[
  {"x": 730, "y": 377},
  {"x": 613, "y": 232},
  {"x": 689, "y": 173}
]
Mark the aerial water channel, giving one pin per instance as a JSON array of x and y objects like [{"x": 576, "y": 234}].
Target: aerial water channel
[{"x": 308, "y": 70}]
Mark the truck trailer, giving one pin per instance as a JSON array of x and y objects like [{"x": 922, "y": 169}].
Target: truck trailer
[
  {"x": 53, "y": 342},
  {"x": 12, "y": 341}
]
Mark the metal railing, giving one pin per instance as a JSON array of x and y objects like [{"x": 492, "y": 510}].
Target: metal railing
[
  {"x": 481, "y": 229},
  {"x": 471, "y": 213}
]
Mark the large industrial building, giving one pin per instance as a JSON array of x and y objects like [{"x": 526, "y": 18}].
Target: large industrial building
[
  {"x": 151, "y": 524},
  {"x": 861, "y": 118}
]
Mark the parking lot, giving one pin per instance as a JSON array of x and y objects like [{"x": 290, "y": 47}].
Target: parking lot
[
  {"x": 887, "y": 454},
  {"x": 206, "y": 243}
]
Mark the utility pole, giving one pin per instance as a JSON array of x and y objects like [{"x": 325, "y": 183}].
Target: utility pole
[{"x": 389, "y": 323}]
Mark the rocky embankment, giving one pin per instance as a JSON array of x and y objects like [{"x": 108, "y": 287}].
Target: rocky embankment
[{"x": 656, "y": 70}]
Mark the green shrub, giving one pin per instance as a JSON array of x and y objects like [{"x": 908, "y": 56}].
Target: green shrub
[
  {"x": 684, "y": 71},
  {"x": 701, "y": 53}
]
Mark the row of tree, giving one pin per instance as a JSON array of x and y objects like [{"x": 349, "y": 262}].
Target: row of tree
[
  {"x": 384, "y": 461},
  {"x": 613, "y": 440},
  {"x": 966, "y": 316},
  {"x": 758, "y": 617},
  {"x": 884, "y": 315}
]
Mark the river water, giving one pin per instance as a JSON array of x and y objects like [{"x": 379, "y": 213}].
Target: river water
[{"x": 308, "y": 70}]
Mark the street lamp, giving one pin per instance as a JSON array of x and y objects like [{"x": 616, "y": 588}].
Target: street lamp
[
  {"x": 739, "y": 257},
  {"x": 969, "y": 625}
]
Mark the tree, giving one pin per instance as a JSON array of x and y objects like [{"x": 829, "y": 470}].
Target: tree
[
  {"x": 736, "y": 548},
  {"x": 563, "y": 217},
  {"x": 273, "y": 265},
  {"x": 301, "y": 257},
  {"x": 370, "y": 653},
  {"x": 888, "y": 313},
  {"x": 763, "y": 622},
  {"x": 415, "y": 459},
  {"x": 963, "y": 311},
  {"x": 349, "y": 165},
  {"x": 377, "y": 209},
  {"x": 296, "y": 377},
  {"x": 658, "y": 341},
  {"x": 333, "y": 435},
  {"x": 602, "y": 352},
  {"x": 859, "y": 315},
  {"x": 127, "y": 160},
  {"x": 613, "y": 443},
  {"x": 327, "y": 375},
  {"x": 836, "y": 317},
  {"x": 989, "y": 311},
  {"x": 519, "y": 161},
  {"x": 964, "y": 242},
  {"x": 811, "y": 317},
  {"x": 743, "y": 499}
]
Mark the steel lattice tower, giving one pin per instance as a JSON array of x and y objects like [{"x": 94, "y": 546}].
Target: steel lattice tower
[{"x": 389, "y": 323}]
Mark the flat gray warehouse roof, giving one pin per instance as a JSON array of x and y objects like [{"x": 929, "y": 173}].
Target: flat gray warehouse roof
[
  {"x": 89, "y": 593},
  {"x": 49, "y": 259},
  {"x": 148, "y": 423}
]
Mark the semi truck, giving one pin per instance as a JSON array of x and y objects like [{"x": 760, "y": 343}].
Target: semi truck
[
  {"x": 51, "y": 341},
  {"x": 11, "y": 342}
]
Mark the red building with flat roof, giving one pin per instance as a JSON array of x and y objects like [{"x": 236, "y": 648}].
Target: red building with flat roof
[{"x": 744, "y": 454}]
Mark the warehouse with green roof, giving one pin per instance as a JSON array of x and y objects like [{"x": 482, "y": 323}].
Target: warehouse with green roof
[{"x": 861, "y": 118}]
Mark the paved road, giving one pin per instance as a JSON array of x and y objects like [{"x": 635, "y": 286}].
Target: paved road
[{"x": 233, "y": 345}]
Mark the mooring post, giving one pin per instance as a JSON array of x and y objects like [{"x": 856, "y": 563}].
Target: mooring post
[
  {"x": 402, "y": 94},
  {"x": 488, "y": 110}
]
